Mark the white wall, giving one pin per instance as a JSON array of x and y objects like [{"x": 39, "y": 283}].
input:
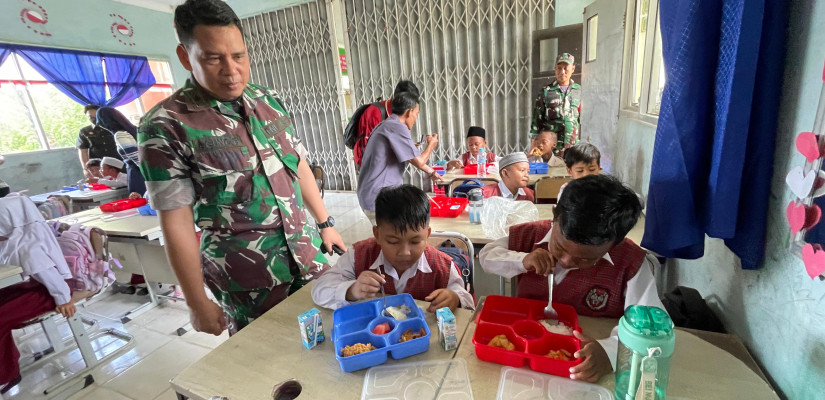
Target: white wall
[
  {"x": 778, "y": 311},
  {"x": 41, "y": 171}
]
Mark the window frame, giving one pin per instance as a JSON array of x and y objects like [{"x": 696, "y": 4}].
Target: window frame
[
  {"x": 29, "y": 103},
  {"x": 650, "y": 67}
]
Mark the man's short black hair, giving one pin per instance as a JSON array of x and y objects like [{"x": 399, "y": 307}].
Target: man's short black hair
[
  {"x": 597, "y": 209},
  {"x": 406, "y": 86},
  {"x": 90, "y": 107},
  {"x": 405, "y": 207},
  {"x": 401, "y": 102},
  {"x": 93, "y": 162},
  {"x": 582, "y": 152},
  {"x": 202, "y": 12}
]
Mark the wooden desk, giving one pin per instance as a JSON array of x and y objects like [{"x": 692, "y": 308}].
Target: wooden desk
[
  {"x": 137, "y": 242},
  {"x": 9, "y": 275},
  {"x": 459, "y": 174},
  {"x": 698, "y": 369},
  {"x": 475, "y": 232},
  {"x": 269, "y": 351},
  {"x": 86, "y": 199},
  {"x": 136, "y": 226}
]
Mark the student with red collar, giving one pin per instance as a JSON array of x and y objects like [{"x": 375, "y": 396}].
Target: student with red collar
[
  {"x": 398, "y": 258},
  {"x": 596, "y": 269}
]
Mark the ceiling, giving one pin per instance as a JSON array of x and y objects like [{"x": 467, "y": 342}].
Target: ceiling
[{"x": 157, "y": 5}]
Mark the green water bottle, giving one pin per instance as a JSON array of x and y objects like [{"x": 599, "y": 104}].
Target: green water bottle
[{"x": 646, "y": 341}]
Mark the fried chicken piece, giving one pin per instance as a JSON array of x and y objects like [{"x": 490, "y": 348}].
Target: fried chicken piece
[{"x": 501, "y": 341}]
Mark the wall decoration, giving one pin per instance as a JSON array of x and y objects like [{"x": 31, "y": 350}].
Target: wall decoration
[
  {"x": 122, "y": 30},
  {"x": 34, "y": 17},
  {"x": 807, "y": 182}
]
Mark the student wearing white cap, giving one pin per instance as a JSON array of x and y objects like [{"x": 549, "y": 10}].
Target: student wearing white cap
[
  {"x": 112, "y": 177},
  {"x": 515, "y": 175}
]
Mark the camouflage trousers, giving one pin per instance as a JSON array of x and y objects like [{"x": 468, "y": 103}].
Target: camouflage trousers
[{"x": 242, "y": 307}]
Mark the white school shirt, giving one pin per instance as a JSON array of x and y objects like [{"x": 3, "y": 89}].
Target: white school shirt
[
  {"x": 506, "y": 193},
  {"x": 330, "y": 289},
  {"x": 118, "y": 182},
  {"x": 497, "y": 259}
]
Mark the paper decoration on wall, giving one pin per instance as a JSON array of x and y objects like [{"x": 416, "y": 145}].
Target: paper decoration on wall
[
  {"x": 807, "y": 145},
  {"x": 799, "y": 182},
  {"x": 819, "y": 184},
  {"x": 801, "y": 216},
  {"x": 34, "y": 17},
  {"x": 122, "y": 30},
  {"x": 814, "y": 259}
]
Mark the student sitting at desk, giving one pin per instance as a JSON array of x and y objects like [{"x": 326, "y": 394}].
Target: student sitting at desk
[
  {"x": 515, "y": 175},
  {"x": 541, "y": 149},
  {"x": 581, "y": 160},
  {"x": 93, "y": 166},
  {"x": 597, "y": 271},
  {"x": 476, "y": 139},
  {"x": 398, "y": 257},
  {"x": 28, "y": 242},
  {"x": 110, "y": 173}
]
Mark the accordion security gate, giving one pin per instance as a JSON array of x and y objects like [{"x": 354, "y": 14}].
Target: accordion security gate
[
  {"x": 469, "y": 58},
  {"x": 292, "y": 51}
]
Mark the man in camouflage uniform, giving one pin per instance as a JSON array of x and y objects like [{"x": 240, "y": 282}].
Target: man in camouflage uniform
[
  {"x": 557, "y": 108},
  {"x": 222, "y": 154}
]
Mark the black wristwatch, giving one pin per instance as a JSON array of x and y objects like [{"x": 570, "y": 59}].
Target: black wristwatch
[{"x": 329, "y": 223}]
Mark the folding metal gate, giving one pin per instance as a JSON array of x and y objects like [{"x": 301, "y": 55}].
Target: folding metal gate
[
  {"x": 469, "y": 58},
  {"x": 292, "y": 51}
]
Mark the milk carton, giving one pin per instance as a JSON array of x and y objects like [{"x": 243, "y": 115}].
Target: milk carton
[
  {"x": 312, "y": 331},
  {"x": 446, "y": 328}
]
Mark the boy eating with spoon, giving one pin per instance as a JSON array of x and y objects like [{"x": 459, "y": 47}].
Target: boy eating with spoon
[
  {"x": 596, "y": 269},
  {"x": 397, "y": 258}
]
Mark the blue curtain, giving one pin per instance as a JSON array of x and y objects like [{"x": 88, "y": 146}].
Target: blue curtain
[
  {"x": 4, "y": 52},
  {"x": 80, "y": 74},
  {"x": 713, "y": 154},
  {"x": 128, "y": 77}
]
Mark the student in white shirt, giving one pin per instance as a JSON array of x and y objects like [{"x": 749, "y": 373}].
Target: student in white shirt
[
  {"x": 515, "y": 176},
  {"x": 596, "y": 270},
  {"x": 111, "y": 176},
  {"x": 582, "y": 160},
  {"x": 397, "y": 258}
]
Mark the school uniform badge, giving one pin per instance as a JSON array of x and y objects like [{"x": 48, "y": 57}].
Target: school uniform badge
[{"x": 596, "y": 299}]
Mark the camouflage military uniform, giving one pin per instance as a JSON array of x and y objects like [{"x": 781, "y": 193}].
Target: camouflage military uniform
[
  {"x": 558, "y": 111},
  {"x": 237, "y": 162}
]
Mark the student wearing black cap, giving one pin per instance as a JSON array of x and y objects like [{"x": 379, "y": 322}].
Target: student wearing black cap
[{"x": 476, "y": 139}]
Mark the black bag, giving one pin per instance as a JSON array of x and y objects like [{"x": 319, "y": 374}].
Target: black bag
[
  {"x": 688, "y": 309},
  {"x": 466, "y": 186},
  {"x": 461, "y": 260},
  {"x": 351, "y": 131}
]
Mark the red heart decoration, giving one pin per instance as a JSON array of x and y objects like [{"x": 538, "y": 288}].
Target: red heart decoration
[
  {"x": 796, "y": 216},
  {"x": 814, "y": 259},
  {"x": 807, "y": 145},
  {"x": 812, "y": 216}
]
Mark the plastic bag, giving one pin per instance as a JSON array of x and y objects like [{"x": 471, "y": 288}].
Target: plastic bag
[{"x": 499, "y": 214}]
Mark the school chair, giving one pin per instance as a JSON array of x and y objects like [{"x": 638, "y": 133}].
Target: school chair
[
  {"x": 82, "y": 336},
  {"x": 547, "y": 188},
  {"x": 320, "y": 178},
  {"x": 457, "y": 182},
  {"x": 463, "y": 243}
]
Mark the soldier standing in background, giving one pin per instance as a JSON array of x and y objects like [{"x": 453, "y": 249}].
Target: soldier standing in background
[
  {"x": 222, "y": 153},
  {"x": 558, "y": 107}
]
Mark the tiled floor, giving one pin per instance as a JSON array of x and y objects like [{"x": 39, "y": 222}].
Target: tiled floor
[{"x": 158, "y": 354}]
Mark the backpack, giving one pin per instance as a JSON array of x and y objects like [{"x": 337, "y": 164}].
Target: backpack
[
  {"x": 55, "y": 207},
  {"x": 461, "y": 261},
  {"x": 351, "y": 131},
  {"x": 86, "y": 250},
  {"x": 688, "y": 309},
  {"x": 466, "y": 186}
]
